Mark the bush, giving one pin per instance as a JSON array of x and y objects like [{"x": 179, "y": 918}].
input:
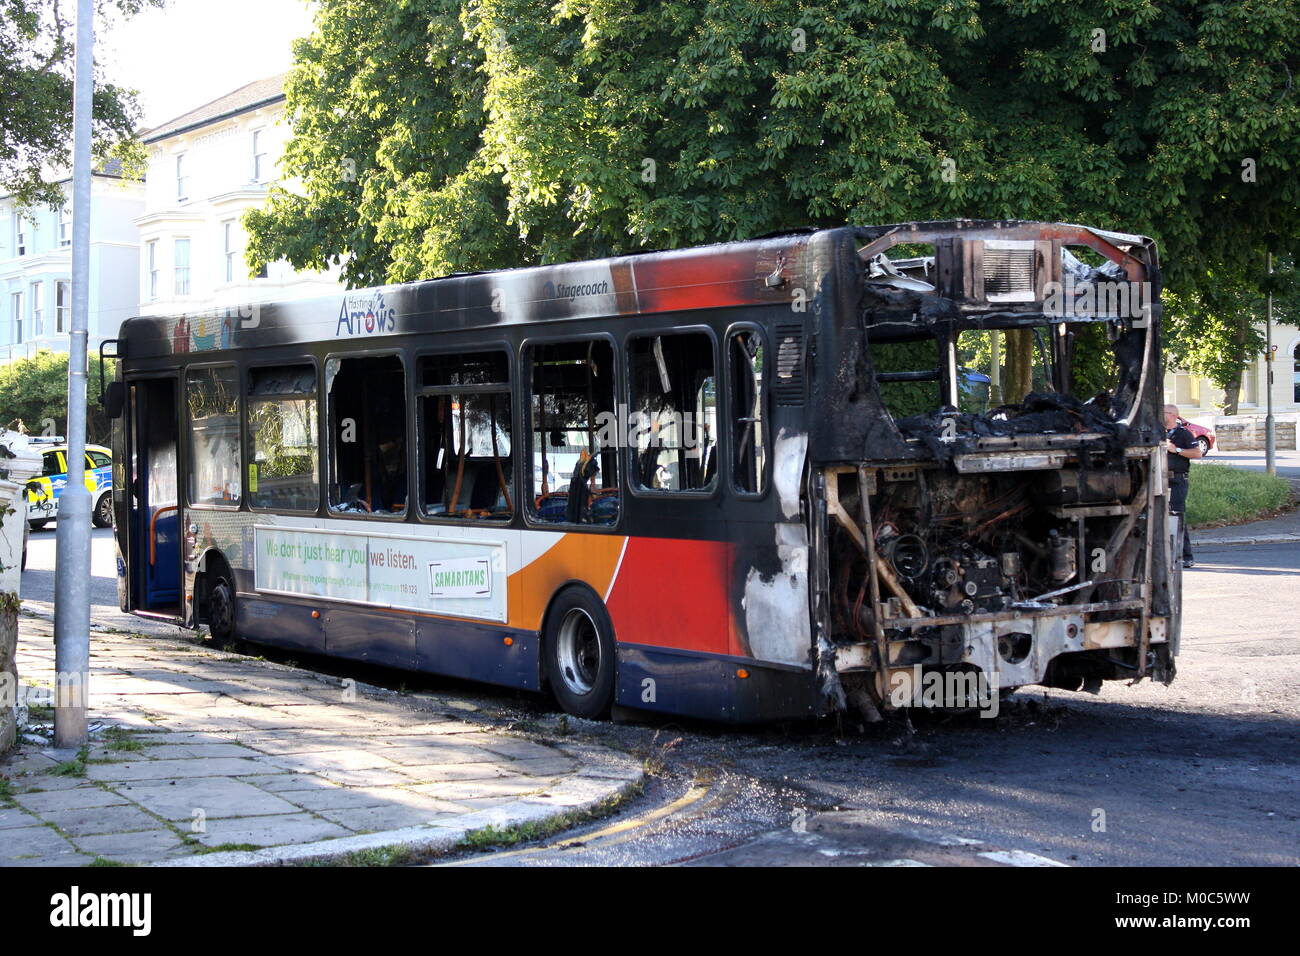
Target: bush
[{"x": 1220, "y": 494}]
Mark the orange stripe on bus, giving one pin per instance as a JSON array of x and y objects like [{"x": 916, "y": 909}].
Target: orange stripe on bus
[{"x": 590, "y": 558}]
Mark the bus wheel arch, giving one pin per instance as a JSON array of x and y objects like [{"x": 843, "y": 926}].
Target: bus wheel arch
[
  {"x": 579, "y": 659},
  {"x": 214, "y": 594}
]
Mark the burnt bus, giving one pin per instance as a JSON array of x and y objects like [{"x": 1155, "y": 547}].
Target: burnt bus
[{"x": 764, "y": 479}]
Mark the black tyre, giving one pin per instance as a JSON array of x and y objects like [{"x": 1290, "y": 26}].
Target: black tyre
[
  {"x": 221, "y": 612},
  {"x": 102, "y": 516},
  {"x": 579, "y": 649},
  {"x": 1205, "y": 445},
  {"x": 38, "y": 525}
]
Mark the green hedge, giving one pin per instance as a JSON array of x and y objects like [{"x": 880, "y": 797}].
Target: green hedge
[{"x": 1220, "y": 494}]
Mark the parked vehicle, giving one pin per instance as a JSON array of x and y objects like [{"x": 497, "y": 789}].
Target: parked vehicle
[
  {"x": 1204, "y": 436},
  {"x": 736, "y": 482},
  {"x": 44, "y": 492}
]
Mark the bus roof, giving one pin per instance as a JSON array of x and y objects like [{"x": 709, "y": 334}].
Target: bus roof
[{"x": 769, "y": 271}]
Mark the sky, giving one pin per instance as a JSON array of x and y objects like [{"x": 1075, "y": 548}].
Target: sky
[{"x": 192, "y": 51}]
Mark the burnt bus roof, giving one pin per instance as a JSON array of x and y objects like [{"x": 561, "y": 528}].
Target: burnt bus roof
[{"x": 775, "y": 270}]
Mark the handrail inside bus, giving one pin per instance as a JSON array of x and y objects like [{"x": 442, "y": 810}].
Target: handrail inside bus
[{"x": 153, "y": 531}]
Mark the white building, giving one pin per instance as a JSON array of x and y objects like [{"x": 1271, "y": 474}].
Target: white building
[
  {"x": 206, "y": 169},
  {"x": 36, "y": 267},
  {"x": 1203, "y": 400}
]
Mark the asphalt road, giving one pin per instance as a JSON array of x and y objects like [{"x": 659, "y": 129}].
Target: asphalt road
[
  {"x": 1286, "y": 460},
  {"x": 1206, "y": 771}
]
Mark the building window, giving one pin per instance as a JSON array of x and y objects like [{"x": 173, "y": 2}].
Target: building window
[
  {"x": 674, "y": 411},
  {"x": 20, "y": 236},
  {"x": 259, "y": 155},
  {"x": 466, "y": 435},
  {"x": 213, "y": 400},
  {"x": 16, "y": 315},
  {"x": 283, "y": 473},
  {"x": 573, "y": 450},
  {"x": 65, "y": 225},
  {"x": 748, "y": 439},
  {"x": 62, "y": 305},
  {"x": 37, "y": 292},
  {"x": 182, "y": 180},
  {"x": 151, "y": 249},
  {"x": 228, "y": 248},
  {"x": 181, "y": 260},
  {"x": 367, "y": 418}
]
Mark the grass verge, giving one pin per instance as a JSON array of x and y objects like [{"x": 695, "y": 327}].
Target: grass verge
[{"x": 1220, "y": 495}]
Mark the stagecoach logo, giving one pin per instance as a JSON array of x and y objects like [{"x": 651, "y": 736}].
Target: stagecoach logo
[
  {"x": 564, "y": 290},
  {"x": 461, "y": 578},
  {"x": 366, "y": 315}
]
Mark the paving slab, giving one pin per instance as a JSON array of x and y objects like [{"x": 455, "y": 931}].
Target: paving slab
[
  {"x": 89, "y": 821},
  {"x": 78, "y": 798},
  {"x": 215, "y": 796},
  {"x": 270, "y": 830}
]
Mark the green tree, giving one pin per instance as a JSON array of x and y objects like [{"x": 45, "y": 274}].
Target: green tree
[
  {"x": 1216, "y": 324},
  {"x": 34, "y": 396},
  {"x": 433, "y": 136},
  {"x": 37, "y": 54}
]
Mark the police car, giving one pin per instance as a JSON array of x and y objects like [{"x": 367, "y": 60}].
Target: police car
[{"x": 43, "y": 493}]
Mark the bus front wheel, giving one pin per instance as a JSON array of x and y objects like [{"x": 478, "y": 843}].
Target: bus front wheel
[
  {"x": 579, "y": 642},
  {"x": 221, "y": 612}
]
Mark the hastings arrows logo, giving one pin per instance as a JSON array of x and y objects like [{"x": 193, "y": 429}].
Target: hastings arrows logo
[{"x": 366, "y": 315}]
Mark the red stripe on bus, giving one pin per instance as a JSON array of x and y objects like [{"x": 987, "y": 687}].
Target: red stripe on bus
[{"x": 674, "y": 594}]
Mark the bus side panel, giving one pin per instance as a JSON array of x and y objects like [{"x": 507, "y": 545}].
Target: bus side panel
[
  {"x": 376, "y": 638},
  {"x": 711, "y": 687},
  {"x": 673, "y": 594},
  {"x": 280, "y": 624},
  {"x": 479, "y": 652}
]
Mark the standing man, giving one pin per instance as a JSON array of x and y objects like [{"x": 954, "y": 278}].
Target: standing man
[{"x": 1182, "y": 449}]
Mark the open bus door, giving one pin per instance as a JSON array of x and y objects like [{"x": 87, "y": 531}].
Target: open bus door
[{"x": 151, "y": 545}]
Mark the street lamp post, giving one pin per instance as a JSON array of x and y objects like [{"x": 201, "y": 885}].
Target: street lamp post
[
  {"x": 72, "y": 551},
  {"x": 1270, "y": 442}
]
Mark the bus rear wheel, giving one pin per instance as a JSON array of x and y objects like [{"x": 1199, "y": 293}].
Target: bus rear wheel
[
  {"x": 579, "y": 642},
  {"x": 221, "y": 612}
]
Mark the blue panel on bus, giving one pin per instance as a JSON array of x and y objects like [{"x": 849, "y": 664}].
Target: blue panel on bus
[
  {"x": 704, "y": 686},
  {"x": 376, "y": 638},
  {"x": 283, "y": 625},
  {"x": 478, "y": 652}
]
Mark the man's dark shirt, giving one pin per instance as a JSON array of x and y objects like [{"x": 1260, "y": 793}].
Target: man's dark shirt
[{"x": 1180, "y": 436}]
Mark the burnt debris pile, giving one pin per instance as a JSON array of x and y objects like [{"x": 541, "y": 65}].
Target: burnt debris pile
[{"x": 947, "y": 431}]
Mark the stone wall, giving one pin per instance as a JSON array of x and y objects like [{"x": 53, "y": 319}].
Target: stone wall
[{"x": 1246, "y": 433}]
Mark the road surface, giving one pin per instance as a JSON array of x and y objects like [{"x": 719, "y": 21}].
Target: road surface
[{"x": 1206, "y": 771}]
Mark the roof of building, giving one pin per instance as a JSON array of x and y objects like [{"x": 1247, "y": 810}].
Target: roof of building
[{"x": 248, "y": 97}]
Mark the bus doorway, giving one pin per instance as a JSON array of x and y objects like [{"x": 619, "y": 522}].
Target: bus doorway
[{"x": 154, "y": 516}]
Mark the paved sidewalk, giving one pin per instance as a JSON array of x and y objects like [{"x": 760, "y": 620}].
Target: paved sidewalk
[
  {"x": 200, "y": 757},
  {"x": 1284, "y": 529}
]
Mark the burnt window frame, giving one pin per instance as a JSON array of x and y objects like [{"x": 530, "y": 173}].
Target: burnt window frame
[
  {"x": 765, "y": 410},
  {"x": 419, "y": 392},
  {"x": 328, "y": 458},
  {"x": 524, "y": 403},
  {"x": 715, "y": 486},
  {"x": 318, "y": 370},
  {"x": 241, "y": 417}
]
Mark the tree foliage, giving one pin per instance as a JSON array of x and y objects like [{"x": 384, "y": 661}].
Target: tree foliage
[
  {"x": 34, "y": 396},
  {"x": 37, "y": 55},
  {"x": 1217, "y": 323},
  {"x": 433, "y": 136}
]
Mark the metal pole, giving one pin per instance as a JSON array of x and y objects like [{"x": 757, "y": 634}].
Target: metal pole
[
  {"x": 1270, "y": 442},
  {"x": 72, "y": 564}
]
